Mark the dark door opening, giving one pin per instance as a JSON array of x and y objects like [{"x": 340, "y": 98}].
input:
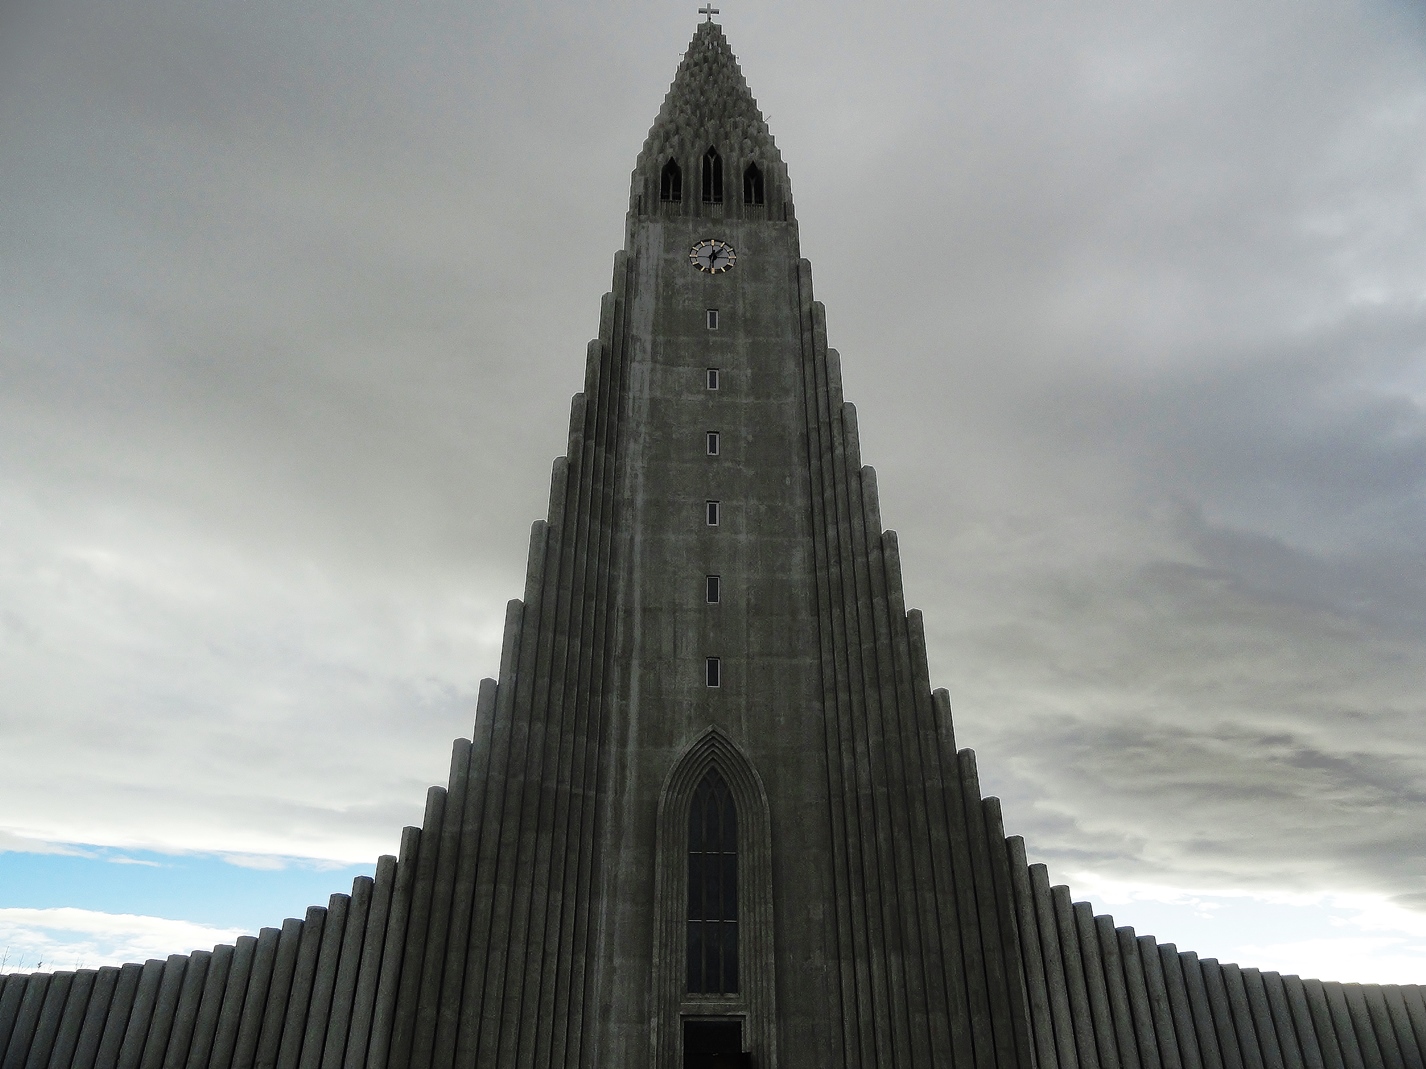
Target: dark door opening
[{"x": 714, "y": 1044}]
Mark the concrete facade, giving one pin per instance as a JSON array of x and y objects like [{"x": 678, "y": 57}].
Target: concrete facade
[{"x": 549, "y": 912}]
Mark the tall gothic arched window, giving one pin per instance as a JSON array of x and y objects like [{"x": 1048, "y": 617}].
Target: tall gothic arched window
[
  {"x": 671, "y": 181},
  {"x": 712, "y": 176},
  {"x": 752, "y": 185},
  {"x": 712, "y": 889}
]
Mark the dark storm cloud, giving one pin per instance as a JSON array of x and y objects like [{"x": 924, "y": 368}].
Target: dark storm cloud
[{"x": 1132, "y": 300}]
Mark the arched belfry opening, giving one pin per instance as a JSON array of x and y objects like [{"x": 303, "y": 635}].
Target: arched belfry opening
[
  {"x": 753, "y": 185},
  {"x": 671, "y": 181},
  {"x": 713, "y": 991},
  {"x": 712, "y": 177}
]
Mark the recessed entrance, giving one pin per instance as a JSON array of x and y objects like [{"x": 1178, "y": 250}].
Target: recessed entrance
[{"x": 714, "y": 1044}]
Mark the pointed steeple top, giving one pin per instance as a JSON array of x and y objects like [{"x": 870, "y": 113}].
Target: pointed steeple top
[{"x": 709, "y": 105}]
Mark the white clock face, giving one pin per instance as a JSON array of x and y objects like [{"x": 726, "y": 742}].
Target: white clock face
[{"x": 713, "y": 256}]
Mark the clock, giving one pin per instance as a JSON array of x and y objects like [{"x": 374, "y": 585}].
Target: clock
[{"x": 713, "y": 256}]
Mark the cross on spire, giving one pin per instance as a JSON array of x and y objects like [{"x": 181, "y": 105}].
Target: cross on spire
[{"x": 709, "y": 10}]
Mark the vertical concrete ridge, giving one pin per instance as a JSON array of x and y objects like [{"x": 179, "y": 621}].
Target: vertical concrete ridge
[
  {"x": 279, "y": 988},
  {"x": 67, "y": 1038},
  {"x": 1241, "y": 1013},
  {"x": 230, "y": 1012},
  {"x": 929, "y": 852},
  {"x": 330, "y": 1038},
  {"x": 457, "y": 946},
  {"x": 205, "y": 1021},
  {"x": 319, "y": 1011},
  {"x": 1221, "y": 1009},
  {"x": 369, "y": 967},
  {"x": 1120, "y": 1007},
  {"x": 1199, "y": 1002},
  {"x": 1335, "y": 1052},
  {"x": 468, "y": 1030},
  {"x": 47, "y": 1026},
  {"x": 11, "y": 994},
  {"x": 544, "y": 926},
  {"x": 393, "y": 949},
  {"x": 423, "y": 880},
  {"x": 1075, "y": 985},
  {"x": 1153, "y": 1023},
  {"x": 1096, "y": 985},
  {"x": 174, "y": 1052},
  {"x": 1270, "y": 1042},
  {"x": 443, "y": 878},
  {"x": 1289, "y": 1041},
  {"x": 1001, "y": 975},
  {"x": 506, "y": 832},
  {"x": 551, "y": 819},
  {"x": 131, "y": 1050},
  {"x": 27, "y": 1019},
  {"x": 555, "y": 979},
  {"x": 546, "y": 687},
  {"x": 1042, "y": 1025},
  {"x": 1400, "y": 1024},
  {"x": 1101, "y": 992},
  {"x": 165, "y": 1008},
  {"x": 963, "y": 862},
  {"x": 1361, "y": 1023},
  {"x": 881, "y": 929},
  {"x": 898, "y": 928},
  {"x": 292, "y": 1031},
  {"x": 1017, "y": 1001},
  {"x": 933, "y": 749},
  {"x": 1056, "y": 981},
  {"x": 835, "y": 755},
  {"x": 117, "y": 1024},
  {"x": 96, "y": 1016},
  {"x": 614, "y": 415}
]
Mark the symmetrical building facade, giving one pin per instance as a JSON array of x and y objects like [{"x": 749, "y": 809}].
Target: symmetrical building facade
[{"x": 712, "y": 813}]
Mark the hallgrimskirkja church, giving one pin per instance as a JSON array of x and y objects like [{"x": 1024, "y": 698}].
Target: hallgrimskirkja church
[{"x": 712, "y": 813}]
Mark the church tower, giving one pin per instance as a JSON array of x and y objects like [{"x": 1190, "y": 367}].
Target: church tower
[{"x": 712, "y": 813}]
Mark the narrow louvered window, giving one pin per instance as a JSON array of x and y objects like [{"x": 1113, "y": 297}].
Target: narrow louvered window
[
  {"x": 752, "y": 185},
  {"x": 712, "y": 889},
  {"x": 712, "y": 176},
  {"x": 671, "y": 181}
]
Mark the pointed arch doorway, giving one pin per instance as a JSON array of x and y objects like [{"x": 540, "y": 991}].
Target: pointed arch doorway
[{"x": 713, "y": 939}]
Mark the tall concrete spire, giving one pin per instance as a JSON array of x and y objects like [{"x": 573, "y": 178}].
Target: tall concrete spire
[{"x": 712, "y": 813}]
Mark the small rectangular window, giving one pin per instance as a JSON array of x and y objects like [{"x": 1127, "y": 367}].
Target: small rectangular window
[
  {"x": 712, "y": 513},
  {"x": 712, "y": 319},
  {"x": 714, "y": 589},
  {"x": 713, "y": 672},
  {"x": 712, "y": 443},
  {"x": 712, "y": 378}
]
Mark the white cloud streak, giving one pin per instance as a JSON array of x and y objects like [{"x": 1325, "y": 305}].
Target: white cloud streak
[{"x": 68, "y": 938}]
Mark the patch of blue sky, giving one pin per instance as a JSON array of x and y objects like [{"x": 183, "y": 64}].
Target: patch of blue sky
[{"x": 233, "y": 891}]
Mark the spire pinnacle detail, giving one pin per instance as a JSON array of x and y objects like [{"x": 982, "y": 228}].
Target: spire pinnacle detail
[{"x": 708, "y": 105}]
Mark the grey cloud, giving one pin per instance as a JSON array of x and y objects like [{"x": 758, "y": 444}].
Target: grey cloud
[{"x": 1129, "y": 299}]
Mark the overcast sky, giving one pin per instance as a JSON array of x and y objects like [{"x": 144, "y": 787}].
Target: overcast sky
[{"x": 1131, "y": 298}]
